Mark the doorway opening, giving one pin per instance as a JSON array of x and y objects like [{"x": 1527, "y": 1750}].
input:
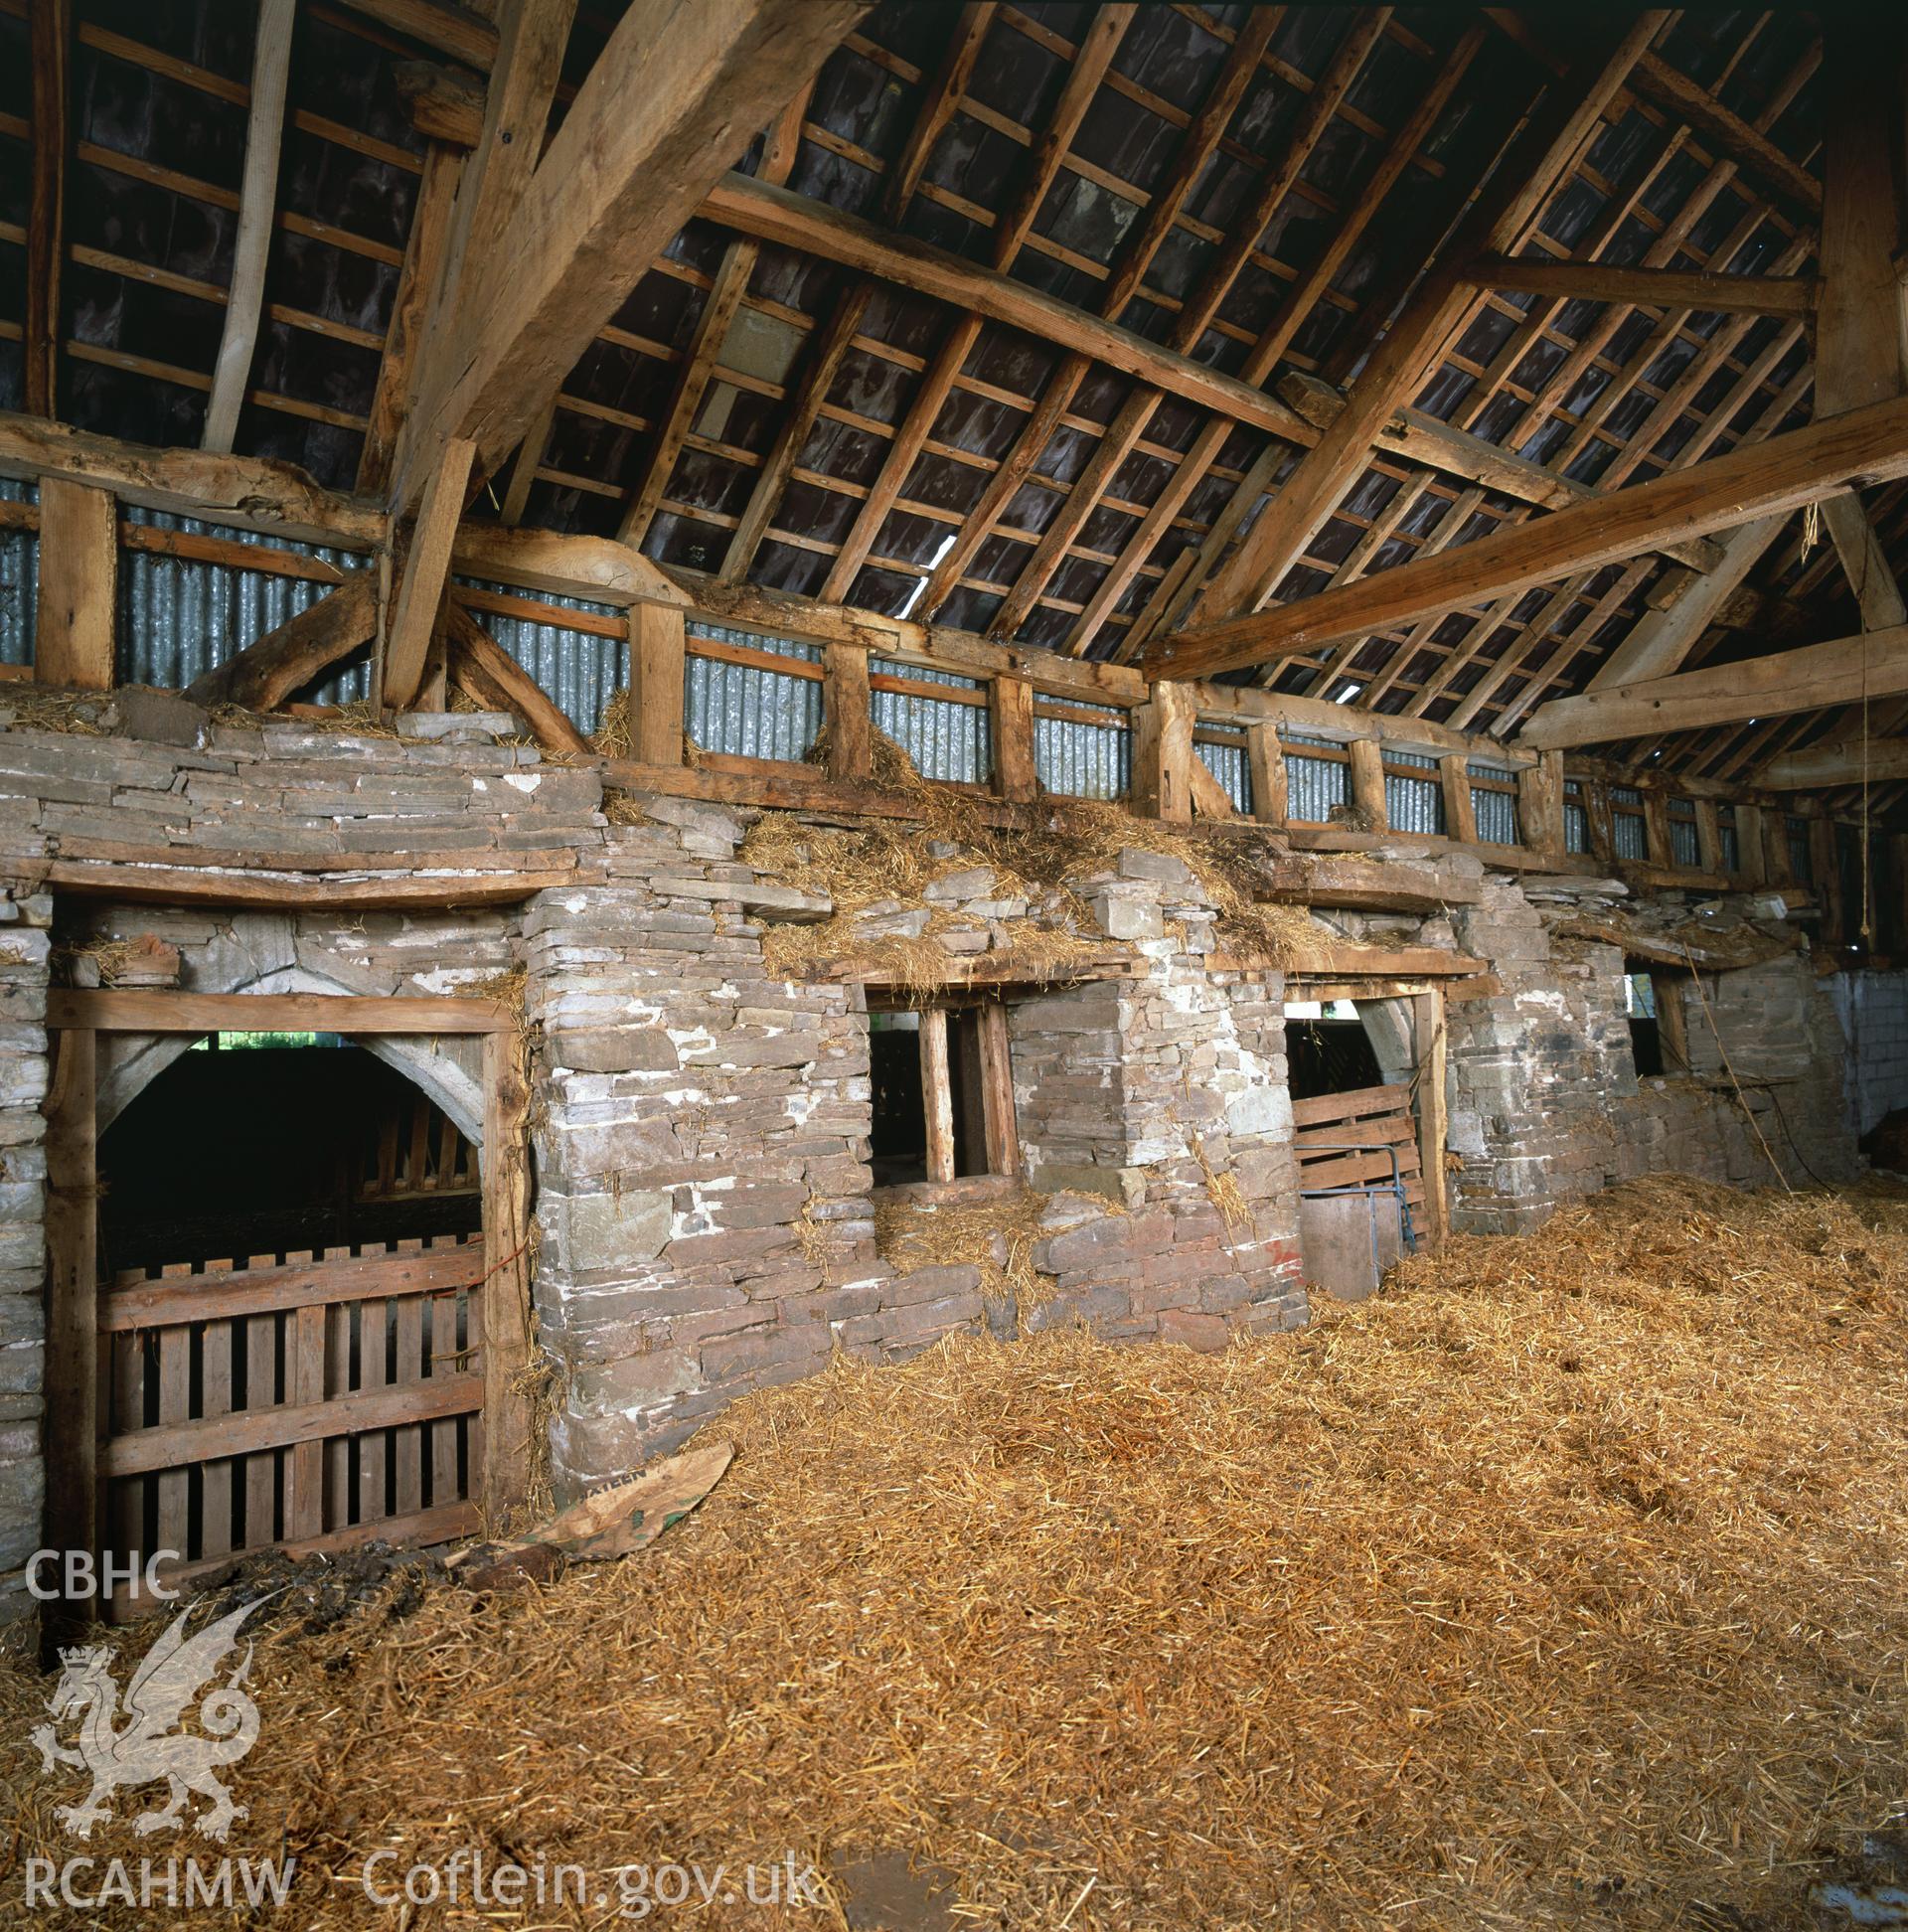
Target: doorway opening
[{"x": 291, "y": 1260}]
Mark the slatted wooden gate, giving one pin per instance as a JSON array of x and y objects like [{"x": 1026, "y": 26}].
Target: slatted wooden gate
[
  {"x": 292, "y": 1398},
  {"x": 1347, "y": 1141},
  {"x": 1376, "y": 1118},
  {"x": 311, "y": 1401}
]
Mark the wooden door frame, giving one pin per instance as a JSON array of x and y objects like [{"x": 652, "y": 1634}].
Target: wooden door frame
[
  {"x": 75, "y": 1021},
  {"x": 1423, "y": 1001}
]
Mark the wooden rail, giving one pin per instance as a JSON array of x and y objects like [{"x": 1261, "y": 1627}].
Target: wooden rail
[{"x": 1694, "y": 834}]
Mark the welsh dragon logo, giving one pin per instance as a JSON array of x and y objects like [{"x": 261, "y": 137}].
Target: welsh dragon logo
[{"x": 145, "y": 1742}]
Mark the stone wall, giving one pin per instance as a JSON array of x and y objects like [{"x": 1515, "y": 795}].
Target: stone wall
[
  {"x": 1873, "y": 1011},
  {"x": 1546, "y": 1103},
  {"x": 707, "y": 1213},
  {"x": 25, "y": 947},
  {"x": 705, "y": 1216}
]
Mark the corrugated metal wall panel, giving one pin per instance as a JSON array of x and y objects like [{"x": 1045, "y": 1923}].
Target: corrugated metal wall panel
[
  {"x": 1494, "y": 811},
  {"x": 1497, "y": 815},
  {"x": 1732, "y": 848},
  {"x": 19, "y": 578},
  {"x": 946, "y": 740},
  {"x": 1801, "y": 861},
  {"x": 1685, "y": 846},
  {"x": 1230, "y": 766},
  {"x": 1576, "y": 828},
  {"x": 1315, "y": 787},
  {"x": 1414, "y": 804},
  {"x": 1085, "y": 752},
  {"x": 179, "y": 616},
  {"x": 1630, "y": 834},
  {"x": 744, "y": 712},
  {"x": 580, "y": 670}
]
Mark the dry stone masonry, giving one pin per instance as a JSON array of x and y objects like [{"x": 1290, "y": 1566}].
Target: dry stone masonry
[{"x": 705, "y": 1209}]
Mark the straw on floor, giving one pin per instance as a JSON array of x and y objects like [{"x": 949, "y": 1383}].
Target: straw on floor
[{"x": 1561, "y": 1584}]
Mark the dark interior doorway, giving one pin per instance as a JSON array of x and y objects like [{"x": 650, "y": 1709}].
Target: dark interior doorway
[
  {"x": 241, "y": 1148},
  {"x": 1330, "y": 1056}
]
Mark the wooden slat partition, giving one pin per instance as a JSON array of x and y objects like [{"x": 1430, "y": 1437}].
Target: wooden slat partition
[
  {"x": 1377, "y": 1117},
  {"x": 295, "y": 1399}
]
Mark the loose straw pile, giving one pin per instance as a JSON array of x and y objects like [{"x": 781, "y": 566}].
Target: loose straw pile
[{"x": 1559, "y": 1585}]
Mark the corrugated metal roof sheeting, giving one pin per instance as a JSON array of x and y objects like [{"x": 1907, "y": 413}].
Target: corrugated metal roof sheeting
[
  {"x": 1228, "y": 763},
  {"x": 946, "y": 740},
  {"x": 1315, "y": 787},
  {"x": 19, "y": 578},
  {"x": 1084, "y": 752},
  {"x": 744, "y": 712},
  {"x": 580, "y": 670},
  {"x": 179, "y": 616}
]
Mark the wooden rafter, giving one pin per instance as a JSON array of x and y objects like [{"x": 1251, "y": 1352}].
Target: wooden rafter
[
  {"x": 1203, "y": 136},
  {"x": 943, "y": 98},
  {"x": 1599, "y": 281},
  {"x": 1136, "y": 412},
  {"x": 698, "y": 365},
  {"x": 1781, "y": 474},
  {"x": 257, "y": 197},
  {"x": 1094, "y": 57},
  {"x": 51, "y": 42},
  {"x": 660, "y": 107},
  {"x": 1874, "y": 664},
  {"x": 403, "y": 337},
  {"x": 1297, "y": 304},
  {"x": 1567, "y": 115},
  {"x": 833, "y": 339}
]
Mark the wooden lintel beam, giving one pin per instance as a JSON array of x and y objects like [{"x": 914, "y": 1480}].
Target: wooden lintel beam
[
  {"x": 1842, "y": 672},
  {"x": 1787, "y": 471},
  {"x": 1664, "y": 289},
  {"x": 162, "y": 1011}
]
